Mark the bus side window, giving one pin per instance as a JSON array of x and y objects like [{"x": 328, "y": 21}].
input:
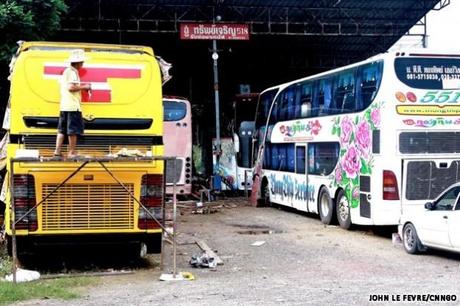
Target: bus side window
[
  {"x": 369, "y": 78},
  {"x": 290, "y": 102},
  {"x": 282, "y": 166},
  {"x": 322, "y": 157},
  {"x": 267, "y": 156},
  {"x": 290, "y": 157},
  {"x": 300, "y": 159},
  {"x": 275, "y": 157},
  {"x": 306, "y": 101},
  {"x": 283, "y": 105},
  {"x": 274, "y": 116},
  {"x": 311, "y": 158},
  {"x": 320, "y": 103},
  {"x": 325, "y": 97},
  {"x": 297, "y": 99},
  {"x": 344, "y": 92}
]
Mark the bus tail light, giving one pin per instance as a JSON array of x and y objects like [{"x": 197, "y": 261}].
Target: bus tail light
[
  {"x": 390, "y": 186},
  {"x": 24, "y": 200},
  {"x": 152, "y": 199}
]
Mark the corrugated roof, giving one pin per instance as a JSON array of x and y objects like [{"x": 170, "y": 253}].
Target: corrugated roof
[
  {"x": 354, "y": 26},
  {"x": 288, "y": 38}
]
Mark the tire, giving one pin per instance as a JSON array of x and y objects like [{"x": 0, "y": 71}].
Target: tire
[
  {"x": 326, "y": 207},
  {"x": 343, "y": 210},
  {"x": 411, "y": 242},
  {"x": 264, "y": 201}
]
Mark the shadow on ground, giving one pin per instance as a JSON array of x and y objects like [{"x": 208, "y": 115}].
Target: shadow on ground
[{"x": 86, "y": 259}]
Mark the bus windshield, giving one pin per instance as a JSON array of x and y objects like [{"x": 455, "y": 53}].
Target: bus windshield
[{"x": 174, "y": 111}]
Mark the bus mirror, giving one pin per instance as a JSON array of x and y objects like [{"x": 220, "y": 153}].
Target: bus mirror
[{"x": 236, "y": 143}]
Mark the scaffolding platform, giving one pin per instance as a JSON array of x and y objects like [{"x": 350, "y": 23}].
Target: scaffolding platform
[{"x": 82, "y": 162}]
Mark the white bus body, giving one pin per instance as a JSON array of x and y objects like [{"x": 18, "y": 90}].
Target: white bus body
[{"x": 364, "y": 142}]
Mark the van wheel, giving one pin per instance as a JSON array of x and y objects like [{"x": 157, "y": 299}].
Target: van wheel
[
  {"x": 411, "y": 242},
  {"x": 343, "y": 210},
  {"x": 264, "y": 201},
  {"x": 325, "y": 206}
]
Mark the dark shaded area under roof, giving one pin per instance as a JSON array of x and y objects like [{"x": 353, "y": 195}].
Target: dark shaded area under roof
[
  {"x": 356, "y": 28},
  {"x": 295, "y": 37},
  {"x": 288, "y": 38}
]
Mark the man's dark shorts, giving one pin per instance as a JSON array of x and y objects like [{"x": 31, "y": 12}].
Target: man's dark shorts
[{"x": 71, "y": 123}]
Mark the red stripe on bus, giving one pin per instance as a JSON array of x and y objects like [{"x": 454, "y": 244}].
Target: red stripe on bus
[
  {"x": 97, "y": 96},
  {"x": 52, "y": 70},
  {"x": 97, "y": 74}
]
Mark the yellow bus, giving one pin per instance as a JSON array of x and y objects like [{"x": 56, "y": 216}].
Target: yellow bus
[{"x": 123, "y": 112}]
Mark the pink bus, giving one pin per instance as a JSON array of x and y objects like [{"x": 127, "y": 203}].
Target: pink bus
[{"x": 177, "y": 138}]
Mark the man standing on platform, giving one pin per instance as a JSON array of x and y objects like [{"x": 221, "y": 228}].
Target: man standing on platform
[{"x": 70, "y": 119}]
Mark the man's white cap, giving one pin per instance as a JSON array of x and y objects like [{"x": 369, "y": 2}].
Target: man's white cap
[{"x": 77, "y": 56}]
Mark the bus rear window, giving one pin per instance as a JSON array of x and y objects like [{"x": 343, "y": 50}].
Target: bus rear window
[
  {"x": 428, "y": 73},
  {"x": 174, "y": 111},
  {"x": 429, "y": 142}
]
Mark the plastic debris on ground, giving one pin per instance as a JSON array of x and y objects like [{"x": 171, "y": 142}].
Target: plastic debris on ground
[
  {"x": 203, "y": 261},
  {"x": 23, "y": 275},
  {"x": 178, "y": 277},
  {"x": 258, "y": 243}
]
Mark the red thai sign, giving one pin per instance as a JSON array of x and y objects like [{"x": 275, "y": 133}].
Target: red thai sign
[{"x": 220, "y": 31}]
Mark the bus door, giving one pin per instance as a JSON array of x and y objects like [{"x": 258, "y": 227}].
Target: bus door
[
  {"x": 425, "y": 179},
  {"x": 301, "y": 186}
]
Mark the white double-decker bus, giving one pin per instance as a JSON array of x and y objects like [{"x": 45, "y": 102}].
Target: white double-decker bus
[{"x": 362, "y": 143}]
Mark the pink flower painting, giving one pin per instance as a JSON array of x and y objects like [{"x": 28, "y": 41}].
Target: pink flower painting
[
  {"x": 351, "y": 162},
  {"x": 338, "y": 174},
  {"x": 355, "y": 193},
  {"x": 375, "y": 117},
  {"x": 346, "y": 127},
  {"x": 316, "y": 127},
  {"x": 363, "y": 137}
]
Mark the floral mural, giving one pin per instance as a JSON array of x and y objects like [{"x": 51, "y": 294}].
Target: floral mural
[{"x": 355, "y": 134}]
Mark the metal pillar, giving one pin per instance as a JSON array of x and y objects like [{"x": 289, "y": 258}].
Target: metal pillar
[
  {"x": 13, "y": 223},
  {"x": 174, "y": 223},
  {"x": 215, "y": 57}
]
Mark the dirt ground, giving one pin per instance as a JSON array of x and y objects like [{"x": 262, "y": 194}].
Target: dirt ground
[{"x": 302, "y": 262}]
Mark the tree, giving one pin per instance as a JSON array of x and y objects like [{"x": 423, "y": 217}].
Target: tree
[{"x": 27, "y": 20}]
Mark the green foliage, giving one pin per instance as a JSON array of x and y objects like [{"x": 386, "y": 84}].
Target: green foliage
[
  {"x": 5, "y": 262},
  {"x": 198, "y": 159},
  {"x": 63, "y": 288},
  {"x": 27, "y": 20}
]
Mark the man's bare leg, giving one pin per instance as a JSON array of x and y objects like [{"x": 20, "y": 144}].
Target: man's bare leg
[
  {"x": 72, "y": 145},
  {"x": 59, "y": 141}
]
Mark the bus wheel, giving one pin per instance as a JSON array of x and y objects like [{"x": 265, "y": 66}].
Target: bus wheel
[
  {"x": 265, "y": 196},
  {"x": 325, "y": 206},
  {"x": 343, "y": 210}
]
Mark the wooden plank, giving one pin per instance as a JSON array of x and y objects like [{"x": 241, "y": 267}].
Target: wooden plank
[{"x": 208, "y": 251}]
